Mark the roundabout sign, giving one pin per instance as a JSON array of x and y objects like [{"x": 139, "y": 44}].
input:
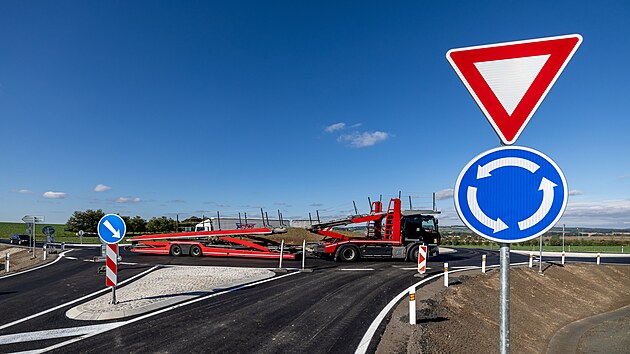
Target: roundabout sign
[{"x": 511, "y": 194}]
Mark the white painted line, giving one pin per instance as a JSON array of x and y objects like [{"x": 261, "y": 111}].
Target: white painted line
[
  {"x": 74, "y": 301},
  {"x": 357, "y": 269},
  {"x": 61, "y": 255},
  {"x": 151, "y": 314},
  {"x": 73, "y": 258},
  {"x": 54, "y": 333},
  {"x": 367, "y": 337}
]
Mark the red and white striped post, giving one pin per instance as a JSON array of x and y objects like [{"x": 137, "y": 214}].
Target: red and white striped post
[
  {"x": 422, "y": 259},
  {"x": 111, "y": 268}
]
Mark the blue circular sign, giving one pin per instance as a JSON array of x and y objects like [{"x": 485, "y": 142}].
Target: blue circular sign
[
  {"x": 510, "y": 194},
  {"x": 111, "y": 228}
]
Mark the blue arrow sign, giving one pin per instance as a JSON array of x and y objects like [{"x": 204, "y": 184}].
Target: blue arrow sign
[
  {"x": 510, "y": 194},
  {"x": 111, "y": 228}
]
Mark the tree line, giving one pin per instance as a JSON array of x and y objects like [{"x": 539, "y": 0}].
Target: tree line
[{"x": 88, "y": 222}]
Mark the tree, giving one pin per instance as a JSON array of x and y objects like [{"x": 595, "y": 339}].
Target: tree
[
  {"x": 137, "y": 224},
  {"x": 161, "y": 224},
  {"x": 85, "y": 220}
]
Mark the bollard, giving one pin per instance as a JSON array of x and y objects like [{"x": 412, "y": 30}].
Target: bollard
[
  {"x": 281, "y": 254},
  {"x": 598, "y": 257},
  {"x": 483, "y": 263},
  {"x": 531, "y": 259},
  {"x": 446, "y": 275},
  {"x": 6, "y": 263},
  {"x": 45, "y": 253},
  {"x": 303, "y": 253},
  {"x": 562, "y": 258},
  {"x": 412, "y": 305}
]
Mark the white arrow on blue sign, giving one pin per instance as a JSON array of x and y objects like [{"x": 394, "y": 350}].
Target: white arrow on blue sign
[
  {"x": 511, "y": 194},
  {"x": 111, "y": 228}
]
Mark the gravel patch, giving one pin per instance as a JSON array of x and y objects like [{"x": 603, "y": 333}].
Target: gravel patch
[{"x": 164, "y": 287}]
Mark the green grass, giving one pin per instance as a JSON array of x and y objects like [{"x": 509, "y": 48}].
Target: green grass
[
  {"x": 9, "y": 228},
  {"x": 593, "y": 249}
]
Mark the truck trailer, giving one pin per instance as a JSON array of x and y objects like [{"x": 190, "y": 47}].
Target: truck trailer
[
  {"x": 390, "y": 234},
  {"x": 248, "y": 243}
]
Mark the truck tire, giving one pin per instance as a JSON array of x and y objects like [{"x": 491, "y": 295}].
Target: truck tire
[
  {"x": 176, "y": 250},
  {"x": 412, "y": 255},
  {"x": 348, "y": 254},
  {"x": 195, "y": 251}
]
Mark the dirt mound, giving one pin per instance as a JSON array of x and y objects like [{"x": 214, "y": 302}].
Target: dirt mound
[
  {"x": 464, "y": 318},
  {"x": 21, "y": 258}
]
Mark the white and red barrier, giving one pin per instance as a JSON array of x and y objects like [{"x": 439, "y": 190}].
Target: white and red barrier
[
  {"x": 422, "y": 259},
  {"x": 111, "y": 264}
]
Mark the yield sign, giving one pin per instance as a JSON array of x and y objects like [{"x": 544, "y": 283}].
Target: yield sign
[{"x": 509, "y": 80}]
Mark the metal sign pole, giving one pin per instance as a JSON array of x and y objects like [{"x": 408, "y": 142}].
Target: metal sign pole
[
  {"x": 504, "y": 296},
  {"x": 540, "y": 258}
]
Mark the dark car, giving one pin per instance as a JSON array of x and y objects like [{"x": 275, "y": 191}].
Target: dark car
[{"x": 20, "y": 239}]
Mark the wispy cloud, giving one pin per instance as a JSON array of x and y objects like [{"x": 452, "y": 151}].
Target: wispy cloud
[
  {"x": 334, "y": 127},
  {"x": 444, "y": 194},
  {"x": 364, "y": 139},
  {"x": 54, "y": 195},
  {"x": 316, "y": 205},
  {"x": 24, "y": 191},
  {"x": 176, "y": 201},
  {"x": 626, "y": 176},
  {"x": 101, "y": 188},
  {"x": 575, "y": 192},
  {"x": 128, "y": 200},
  {"x": 607, "y": 213}
]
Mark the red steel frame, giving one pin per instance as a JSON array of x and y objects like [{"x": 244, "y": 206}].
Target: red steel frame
[{"x": 162, "y": 243}]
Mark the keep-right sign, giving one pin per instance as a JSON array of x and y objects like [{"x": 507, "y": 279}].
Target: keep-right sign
[{"x": 510, "y": 80}]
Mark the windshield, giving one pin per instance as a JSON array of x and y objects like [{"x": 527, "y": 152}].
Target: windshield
[{"x": 428, "y": 224}]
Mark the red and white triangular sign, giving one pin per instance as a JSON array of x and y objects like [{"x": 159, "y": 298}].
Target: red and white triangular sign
[{"x": 510, "y": 80}]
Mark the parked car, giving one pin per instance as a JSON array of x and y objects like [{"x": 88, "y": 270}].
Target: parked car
[{"x": 20, "y": 239}]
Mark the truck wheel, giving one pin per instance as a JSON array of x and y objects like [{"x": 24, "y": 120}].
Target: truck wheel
[
  {"x": 176, "y": 250},
  {"x": 413, "y": 253},
  {"x": 349, "y": 254},
  {"x": 195, "y": 251}
]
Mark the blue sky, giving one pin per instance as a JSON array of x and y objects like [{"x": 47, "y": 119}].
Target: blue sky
[{"x": 157, "y": 108}]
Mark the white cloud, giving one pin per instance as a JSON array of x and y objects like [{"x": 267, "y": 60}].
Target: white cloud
[
  {"x": 356, "y": 125},
  {"x": 55, "y": 195},
  {"x": 101, "y": 188},
  {"x": 444, "y": 194},
  {"x": 626, "y": 176},
  {"x": 364, "y": 139},
  {"x": 607, "y": 213},
  {"x": 334, "y": 127},
  {"x": 128, "y": 200},
  {"x": 575, "y": 192},
  {"x": 24, "y": 191}
]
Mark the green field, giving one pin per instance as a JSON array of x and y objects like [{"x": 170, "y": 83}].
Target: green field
[
  {"x": 9, "y": 228},
  {"x": 593, "y": 249}
]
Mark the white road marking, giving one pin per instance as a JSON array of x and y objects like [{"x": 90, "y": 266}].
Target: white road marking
[
  {"x": 74, "y": 301},
  {"x": 55, "y": 333},
  {"x": 61, "y": 255},
  {"x": 413, "y": 268},
  {"x": 73, "y": 258},
  {"x": 367, "y": 337}
]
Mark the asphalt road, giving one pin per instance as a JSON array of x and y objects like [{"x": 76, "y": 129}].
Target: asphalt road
[{"x": 325, "y": 311}]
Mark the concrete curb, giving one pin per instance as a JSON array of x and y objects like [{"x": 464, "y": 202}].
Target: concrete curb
[{"x": 573, "y": 254}]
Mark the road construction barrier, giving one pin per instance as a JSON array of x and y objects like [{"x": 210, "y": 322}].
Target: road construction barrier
[
  {"x": 531, "y": 259},
  {"x": 446, "y": 274},
  {"x": 412, "y": 305},
  {"x": 483, "y": 263},
  {"x": 599, "y": 256},
  {"x": 562, "y": 257},
  {"x": 6, "y": 263}
]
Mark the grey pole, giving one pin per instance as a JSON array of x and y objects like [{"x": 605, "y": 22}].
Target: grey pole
[
  {"x": 562, "y": 238},
  {"x": 540, "y": 257},
  {"x": 504, "y": 298},
  {"x": 34, "y": 233}
]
